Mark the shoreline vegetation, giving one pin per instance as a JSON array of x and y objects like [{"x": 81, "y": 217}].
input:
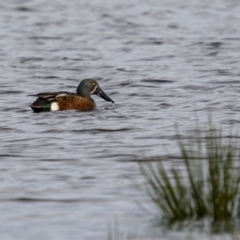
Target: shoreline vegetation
[{"x": 205, "y": 186}]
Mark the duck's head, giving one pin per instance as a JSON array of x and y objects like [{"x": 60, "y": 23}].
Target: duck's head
[{"x": 90, "y": 86}]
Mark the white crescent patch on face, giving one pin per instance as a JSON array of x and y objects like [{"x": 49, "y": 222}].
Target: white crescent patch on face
[
  {"x": 54, "y": 106},
  {"x": 93, "y": 90}
]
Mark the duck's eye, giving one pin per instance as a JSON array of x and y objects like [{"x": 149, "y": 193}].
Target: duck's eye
[{"x": 93, "y": 83}]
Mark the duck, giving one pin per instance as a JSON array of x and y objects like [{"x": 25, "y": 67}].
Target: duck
[{"x": 81, "y": 100}]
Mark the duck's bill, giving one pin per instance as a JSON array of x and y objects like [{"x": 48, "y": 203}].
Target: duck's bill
[{"x": 103, "y": 95}]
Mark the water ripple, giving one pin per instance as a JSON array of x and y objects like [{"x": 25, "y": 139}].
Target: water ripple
[{"x": 67, "y": 174}]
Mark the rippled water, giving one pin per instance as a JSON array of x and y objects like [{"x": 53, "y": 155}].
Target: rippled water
[{"x": 67, "y": 175}]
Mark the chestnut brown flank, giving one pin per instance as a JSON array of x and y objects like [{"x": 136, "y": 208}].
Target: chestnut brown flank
[{"x": 75, "y": 102}]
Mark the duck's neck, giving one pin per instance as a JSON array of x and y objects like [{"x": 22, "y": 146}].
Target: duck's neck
[{"x": 82, "y": 93}]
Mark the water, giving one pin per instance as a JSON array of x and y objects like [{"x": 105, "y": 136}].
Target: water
[{"x": 68, "y": 175}]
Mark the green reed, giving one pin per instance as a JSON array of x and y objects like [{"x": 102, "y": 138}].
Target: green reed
[{"x": 206, "y": 186}]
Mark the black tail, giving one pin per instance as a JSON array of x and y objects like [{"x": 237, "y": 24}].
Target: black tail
[{"x": 40, "y": 105}]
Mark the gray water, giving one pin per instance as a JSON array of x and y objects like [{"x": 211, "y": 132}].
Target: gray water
[{"x": 70, "y": 174}]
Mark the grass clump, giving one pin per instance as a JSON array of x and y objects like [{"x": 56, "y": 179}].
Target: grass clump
[{"x": 207, "y": 185}]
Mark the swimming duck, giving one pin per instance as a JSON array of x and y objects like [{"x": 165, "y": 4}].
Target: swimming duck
[{"x": 81, "y": 100}]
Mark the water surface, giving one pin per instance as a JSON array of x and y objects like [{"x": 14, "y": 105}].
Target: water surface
[{"x": 67, "y": 175}]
